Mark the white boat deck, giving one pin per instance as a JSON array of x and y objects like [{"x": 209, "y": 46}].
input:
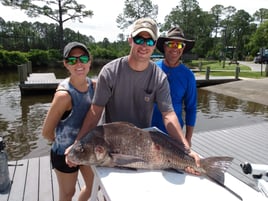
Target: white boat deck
[{"x": 131, "y": 185}]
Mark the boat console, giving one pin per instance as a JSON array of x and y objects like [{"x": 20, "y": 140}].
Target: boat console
[{"x": 258, "y": 172}]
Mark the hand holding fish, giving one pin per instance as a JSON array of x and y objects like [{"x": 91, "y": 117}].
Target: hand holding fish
[
  {"x": 197, "y": 162},
  {"x": 68, "y": 162}
]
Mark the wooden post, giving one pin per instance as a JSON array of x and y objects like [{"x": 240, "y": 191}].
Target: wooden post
[
  {"x": 266, "y": 70},
  {"x": 237, "y": 71},
  {"x": 200, "y": 66},
  {"x": 207, "y": 73},
  {"x": 29, "y": 67},
  {"x": 22, "y": 71}
]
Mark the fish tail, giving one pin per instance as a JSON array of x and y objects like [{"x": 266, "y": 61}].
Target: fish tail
[{"x": 215, "y": 167}]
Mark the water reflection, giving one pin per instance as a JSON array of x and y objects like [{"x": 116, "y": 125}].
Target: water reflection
[
  {"x": 217, "y": 111},
  {"x": 21, "y": 118}
]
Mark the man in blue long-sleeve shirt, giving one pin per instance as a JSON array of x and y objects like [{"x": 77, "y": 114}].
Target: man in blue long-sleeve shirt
[{"x": 181, "y": 80}]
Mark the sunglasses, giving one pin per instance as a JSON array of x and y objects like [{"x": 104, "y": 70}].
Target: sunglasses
[
  {"x": 173, "y": 44},
  {"x": 140, "y": 41},
  {"x": 72, "y": 60}
]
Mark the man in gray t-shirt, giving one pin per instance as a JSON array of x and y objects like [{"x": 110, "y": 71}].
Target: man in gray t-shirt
[
  {"x": 129, "y": 95},
  {"x": 128, "y": 87}
]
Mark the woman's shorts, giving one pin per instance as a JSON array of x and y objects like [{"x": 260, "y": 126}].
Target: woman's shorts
[{"x": 58, "y": 162}]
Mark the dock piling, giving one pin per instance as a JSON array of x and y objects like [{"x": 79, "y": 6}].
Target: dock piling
[
  {"x": 22, "y": 71},
  {"x": 237, "y": 71},
  {"x": 207, "y": 73}
]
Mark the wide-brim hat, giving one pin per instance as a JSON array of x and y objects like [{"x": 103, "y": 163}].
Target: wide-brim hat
[{"x": 175, "y": 33}]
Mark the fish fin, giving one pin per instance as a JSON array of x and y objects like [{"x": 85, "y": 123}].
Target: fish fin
[
  {"x": 156, "y": 132},
  {"x": 215, "y": 167},
  {"x": 121, "y": 159}
]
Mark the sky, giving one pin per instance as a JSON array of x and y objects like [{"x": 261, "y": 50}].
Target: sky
[{"x": 103, "y": 23}]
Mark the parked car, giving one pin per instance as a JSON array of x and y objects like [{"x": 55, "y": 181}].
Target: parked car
[{"x": 261, "y": 59}]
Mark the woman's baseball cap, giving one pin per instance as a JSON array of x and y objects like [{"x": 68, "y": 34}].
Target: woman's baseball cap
[{"x": 72, "y": 45}]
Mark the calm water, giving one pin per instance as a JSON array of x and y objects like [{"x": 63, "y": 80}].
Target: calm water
[{"x": 21, "y": 118}]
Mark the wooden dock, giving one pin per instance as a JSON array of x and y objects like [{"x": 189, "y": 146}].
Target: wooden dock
[
  {"x": 202, "y": 81},
  {"x": 39, "y": 83},
  {"x": 36, "y": 83},
  {"x": 33, "y": 179},
  {"x": 244, "y": 143}
]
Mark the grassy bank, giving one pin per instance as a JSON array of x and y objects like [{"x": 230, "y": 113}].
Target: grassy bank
[{"x": 217, "y": 69}]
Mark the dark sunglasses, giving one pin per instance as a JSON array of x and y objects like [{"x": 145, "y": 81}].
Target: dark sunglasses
[
  {"x": 73, "y": 60},
  {"x": 140, "y": 41},
  {"x": 174, "y": 44}
]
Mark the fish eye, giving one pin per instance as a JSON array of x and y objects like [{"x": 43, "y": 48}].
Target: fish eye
[
  {"x": 79, "y": 148},
  {"x": 82, "y": 149}
]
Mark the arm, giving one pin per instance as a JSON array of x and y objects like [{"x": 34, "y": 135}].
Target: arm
[
  {"x": 189, "y": 134},
  {"x": 174, "y": 129},
  {"x": 91, "y": 120},
  {"x": 60, "y": 103},
  {"x": 190, "y": 102}
]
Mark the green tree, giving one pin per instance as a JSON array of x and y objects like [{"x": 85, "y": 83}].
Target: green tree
[
  {"x": 60, "y": 11},
  {"x": 121, "y": 37},
  {"x": 240, "y": 25},
  {"x": 260, "y": 37},
  {"x": 227, "y": 32},
  {"x": 217, "y": 13},
  {"x": 217, "y": 16},
  {"x": 261, "y": 15},
  {"x": 195, "y": 23},
  {"x": 183, "y": 15},
  {"x": 135, "y": 9}
]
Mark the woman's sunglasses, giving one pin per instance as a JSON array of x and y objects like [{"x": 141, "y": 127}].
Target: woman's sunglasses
[
  {"x": 174, "y": 44},
  {"x": 72, "y": 60},
  {"x": 140, "y": 41}
]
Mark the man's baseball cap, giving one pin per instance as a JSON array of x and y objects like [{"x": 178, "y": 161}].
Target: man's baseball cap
[
  {"x": 72, "y": 45},
  {"x": 145, "y": 24}
]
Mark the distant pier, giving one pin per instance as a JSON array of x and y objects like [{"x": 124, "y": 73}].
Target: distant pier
[{"x": 36, "y": 83}]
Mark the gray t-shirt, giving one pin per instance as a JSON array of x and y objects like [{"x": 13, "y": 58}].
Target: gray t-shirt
[{"x": 130, "y": 95}]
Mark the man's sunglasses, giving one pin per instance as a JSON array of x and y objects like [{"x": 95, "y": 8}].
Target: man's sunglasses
[
  {"x": 174, "y": 44},
  {"x": 72, "y": 60},
  {"x": 140, "y": 41}
]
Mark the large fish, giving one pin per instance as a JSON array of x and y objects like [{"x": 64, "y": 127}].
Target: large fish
[{"x": 121, "y": 144}]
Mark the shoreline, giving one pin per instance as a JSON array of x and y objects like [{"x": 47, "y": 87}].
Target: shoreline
[{"x": 253, "y": 90}]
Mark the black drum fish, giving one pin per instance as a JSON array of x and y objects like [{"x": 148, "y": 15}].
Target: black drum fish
[{"x": 121, "y": 144}]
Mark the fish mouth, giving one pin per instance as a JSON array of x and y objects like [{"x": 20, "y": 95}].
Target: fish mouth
[{"x": 71, "y": 158}]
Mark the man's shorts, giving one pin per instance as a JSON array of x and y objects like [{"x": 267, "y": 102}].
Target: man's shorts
[{"x": 58, "y": 162}]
